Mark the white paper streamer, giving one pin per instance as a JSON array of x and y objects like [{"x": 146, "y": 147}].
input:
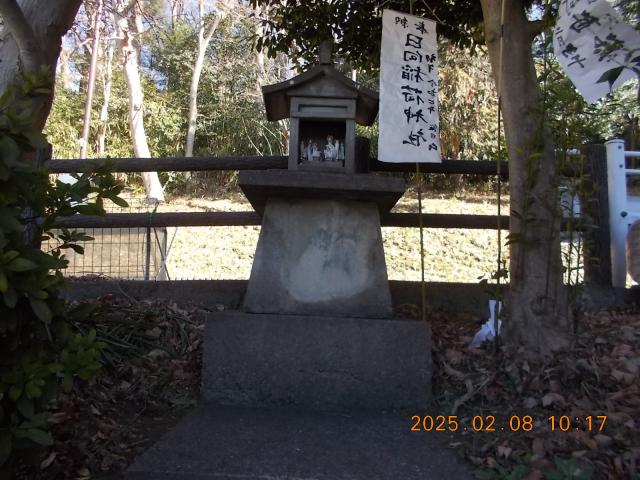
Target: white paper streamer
[
  {"x": 409, "y": 125},
  {"x": 591, "y": 39}
]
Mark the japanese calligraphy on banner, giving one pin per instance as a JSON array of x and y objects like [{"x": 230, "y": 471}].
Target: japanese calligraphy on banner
[
  {"x": 595, "y": 47},
  {"x": 409, "y": 126}
]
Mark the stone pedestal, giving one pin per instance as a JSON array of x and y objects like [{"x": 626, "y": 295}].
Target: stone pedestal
[{"x": 319, "y": 257}]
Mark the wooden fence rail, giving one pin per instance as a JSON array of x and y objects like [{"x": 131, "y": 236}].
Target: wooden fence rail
[
  {"x": 197, "y": 219},
  {"x": 193, "y": 164},
  {"x": 233, "y": 219}
]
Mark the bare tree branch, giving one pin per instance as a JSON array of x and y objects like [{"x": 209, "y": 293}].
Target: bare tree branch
[{"x": 536, "y": 27}]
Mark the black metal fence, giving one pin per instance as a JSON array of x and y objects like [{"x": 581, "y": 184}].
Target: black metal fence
[{"x": 131, "y": 252}]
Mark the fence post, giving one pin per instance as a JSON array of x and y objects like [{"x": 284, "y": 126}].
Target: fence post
[
  {"x": 597, "y": 245},
  {"x": 617, "y": 183},
  {"x": 162, "y": 247},
  {"x": 32, "y": 232},
  {"x": 147, "y": 255}
]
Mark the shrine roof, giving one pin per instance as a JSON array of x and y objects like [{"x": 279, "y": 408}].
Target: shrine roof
[{"x": 320, "y": 81}]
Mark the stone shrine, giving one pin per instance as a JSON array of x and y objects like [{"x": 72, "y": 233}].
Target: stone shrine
[
  {"x": 314, "y": 378},
  {"x": 316, "y": 327}
]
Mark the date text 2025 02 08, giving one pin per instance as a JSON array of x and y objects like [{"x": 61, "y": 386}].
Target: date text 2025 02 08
[{"x": 515, "y": 423}]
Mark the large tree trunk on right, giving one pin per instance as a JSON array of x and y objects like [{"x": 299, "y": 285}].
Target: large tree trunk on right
[
  {"x": 538, "y": 314},
  {"x": 129, "y": 30}
]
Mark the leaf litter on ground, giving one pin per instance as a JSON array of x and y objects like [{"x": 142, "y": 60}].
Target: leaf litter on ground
[
  {"x": 597, "y": 376},
  {"x": 149, "y": 380},
  {"x": 152, "y": 374}
]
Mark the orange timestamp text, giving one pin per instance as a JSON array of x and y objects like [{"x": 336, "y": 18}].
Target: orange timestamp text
[{"x": 513, "y": 423}]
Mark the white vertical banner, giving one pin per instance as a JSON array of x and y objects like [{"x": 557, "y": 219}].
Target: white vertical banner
[
  {"x": 595, "y": 47},
  {"x": 409, "y": 124}
]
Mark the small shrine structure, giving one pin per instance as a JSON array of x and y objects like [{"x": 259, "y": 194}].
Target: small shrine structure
[
  {"x": 323, "y": 107},
  {"x": 317, "y": 326},
  {"x": 314, "y": 377}
]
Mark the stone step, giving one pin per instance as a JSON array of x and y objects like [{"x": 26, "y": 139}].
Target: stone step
[
  {"x": 319, "y": 362},
  {"x": 231, "y": 443}
]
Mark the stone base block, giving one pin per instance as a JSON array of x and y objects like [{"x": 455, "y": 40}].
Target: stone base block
[
  {"x": 324, "y": 363},
  {"x": 319, "y": 257}
]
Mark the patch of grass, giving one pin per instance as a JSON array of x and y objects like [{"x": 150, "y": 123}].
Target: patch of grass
[{"x": 451, "y": 255}]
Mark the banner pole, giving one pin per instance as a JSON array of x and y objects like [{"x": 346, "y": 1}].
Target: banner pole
[
  {"x": 496, "y": 319},
  {"x": 422, "y": 284}
]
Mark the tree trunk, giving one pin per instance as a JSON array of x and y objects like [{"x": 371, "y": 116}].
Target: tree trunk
[
  {"x": 204, "y": 38},
  {"x": 129, "y": 29},
  {"x": 64, "y": 68},
  {"x": 30, "y": 39},
  {"x": 538, "y": 314},
  {"x": 261, "y": 78},
  {"x": 193, "y": 102},
  {"x": 107, "y": 74},
  {"x": 177, "y": 11},
  {"x": 95, "y": 51}
]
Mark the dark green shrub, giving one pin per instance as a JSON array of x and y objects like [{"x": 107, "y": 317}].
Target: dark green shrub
[{"x": 38, "y": 352}]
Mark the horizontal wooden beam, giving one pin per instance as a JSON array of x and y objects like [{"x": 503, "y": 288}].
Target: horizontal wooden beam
[
  {"x": 164, "y": 219},
  {"x": 445, "y": 220},
  {"x": 243, "y": 219},
  {"x": 230, "y": 219},
  {"x": 168, "y": 164},
  {"x": 193, "y": 164}
]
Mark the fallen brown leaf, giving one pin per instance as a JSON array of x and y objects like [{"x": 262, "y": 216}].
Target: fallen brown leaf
[
  {"x": 552, "y": 399},
  {"x": 46, "y": 463}
]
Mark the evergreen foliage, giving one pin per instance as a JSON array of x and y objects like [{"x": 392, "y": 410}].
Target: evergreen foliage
[{"x": 38, "y": 351}]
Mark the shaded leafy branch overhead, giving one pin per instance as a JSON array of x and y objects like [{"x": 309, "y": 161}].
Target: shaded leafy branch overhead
[{"x": 299, "y": 27}]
